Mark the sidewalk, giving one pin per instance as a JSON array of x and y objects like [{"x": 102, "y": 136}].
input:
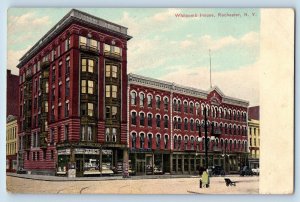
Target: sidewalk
[{"x": 103, "y": 178}]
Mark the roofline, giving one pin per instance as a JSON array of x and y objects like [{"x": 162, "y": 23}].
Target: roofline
[
  {"x": 172, "y": 86},
  {"x": 71, "y": 15}
]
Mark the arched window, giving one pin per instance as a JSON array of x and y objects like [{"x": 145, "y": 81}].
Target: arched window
[
  {"x": 166, "y": 141},
  {"x": 185, "y": 124},
  {"x": 192, "y": 143},
  {"x": 179, "y": 142},
  {"x": 133, "y": 98},
  {"x": 192, "y": 125},
  {"x": 149, "y": 140},
  {"x": 175, "y": 123},
  {"x": 225, "y": 128},
  {"x": 166, "y": 103},
  {"x": 149, "y": 100},
  {"x": 175, "y": 142},
  {"x": 166, "y": 122},
  {"x": 133, "y": 118},
  {"x": 234, "y": 130},
  {"x": 185, "y": 106},
  {"x": 174, "y": 105},
  {"x": 133, "y": 140},
  {"x": 179, "y": 106},
  {"x": 149, "y": 117},
  {"x": 179, "y": 123},
  {"x": 191, "y": 108},
  {"x": 198, "y": 125},
  {"x": 186, "y": 142},
  {"x": 158, "y": 120},
  {"x": 158, "y": 141},
  {"x": 142, "y": 119},
  {"x": 142, "y": 99},
  {"x": 197, "y": 109},
  {"x": 142, "y": 140},
  {"x": 157, "y": 99}
]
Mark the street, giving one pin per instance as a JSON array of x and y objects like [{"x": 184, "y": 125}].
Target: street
[{"x": 244, "y": 185}]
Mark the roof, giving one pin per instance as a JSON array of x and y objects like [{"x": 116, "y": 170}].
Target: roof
[{"x": 73, "y": 16}]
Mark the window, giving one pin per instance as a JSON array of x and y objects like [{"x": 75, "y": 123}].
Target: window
[
  {"x": 114, "y": 112},
  {"x": 133, "y": 98},
  {"x": 83, "y": 65},
  {"x": 82, "y": 133},
  {"x": 114, "y": 134},
  {"x": 191, "y": 108},
  {"x": 46, "y": 87},
  {"x": 111, "y": 71},
  {"x": 179, "y": 142},
  {"x": 51, "y": 136},
  {"x": 112, "y": 49},
  {"x": 83, "y": 86},
  {"x": 149, "y": 120},
  {"x": 158, "y": 141},
  {"x": 185, "y": 106},
  {"x": 59, "y": 69},
  {"x": 82, "y": 41},
  {"x": 192, "y": 143},
  {"x": 66, "y": 133},
  {"x": 107, "y": 134},
  {"x": 179, "y": 123},
  {"x": 157, "y": 98},
  {"x": 67, "y": 88},
  {"x": 149, "y": 141},
  {"x": 142, "y": 119},
  {"x": 166, "y": 141},
  {"x": 91, "y": 66},
  {"x": 107, "y": 91},
  {"x": 142, "y": 140},
  {"x": 68, "y": 65},
  {"x": 166, "y": 122},
  {"x": 185, "y": 124},
  {"x": 142, "y": 99},
  {"x": 90, "y": 87},
  {"x": 89, "y": 133},
  {"x": 185, "y": 142},
  {"x": 197, "y": 109},
  {"x": 149, "y": 100},
  {"x": 133, "y": 140},
  {"x": 133, "y": 118},
  {"x": 90, "y": 109},
  {"x": 192, "y": 125},
  {"x": 166, "y": 103},
  {"x": 52, "y": 154},
  {"x": 83, "y": 109},
  {"x": 108, "y": 112},
  {"x": 175, "y": 142},
  {"x": 158, "y": 121},
  {"x": 87, "y": 65},
  {"x": 107, "y": 71},
  {"x": 114, "y": 91},
  {"x": 67, "y": 43}
]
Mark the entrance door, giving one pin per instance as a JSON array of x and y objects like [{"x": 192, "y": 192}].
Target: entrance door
[
  {"x": 140, "y": 167},
  {"x": 79, "y": 167}
]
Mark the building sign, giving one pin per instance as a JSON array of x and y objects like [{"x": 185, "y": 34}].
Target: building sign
[
  {"x": 64, "y": 152},
  {"x": 87, "y": 151},
  {"x": 107, "y": 152}
]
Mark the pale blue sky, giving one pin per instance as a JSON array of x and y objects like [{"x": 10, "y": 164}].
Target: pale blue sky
[{"x": 162, "y": 45}]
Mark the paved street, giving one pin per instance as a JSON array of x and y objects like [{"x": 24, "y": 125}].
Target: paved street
[{"x": 244, "y": 185}]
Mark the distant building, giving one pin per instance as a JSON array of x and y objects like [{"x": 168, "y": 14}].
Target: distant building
[
  {"x": 253, "y": 136},
  {"x": 11, "y": 143},
  {"x": 12, "y": 94}
]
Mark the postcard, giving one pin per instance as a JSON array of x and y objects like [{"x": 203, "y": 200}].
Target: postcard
[{"x": 150, "y": 101}]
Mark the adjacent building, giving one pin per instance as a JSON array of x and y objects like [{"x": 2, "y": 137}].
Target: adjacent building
[
  {"x": 253, "y": 136},
  {"x": 79, "y": 110},
  {"x": 11, "y": 143},
  {"x": 12, "y": 94},
  {"x": 166, "y": 119}
]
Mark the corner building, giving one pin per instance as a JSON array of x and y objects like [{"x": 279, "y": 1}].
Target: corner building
[
  {"x": 73, "y": 98},
  {"x": 164, "y": 123}
]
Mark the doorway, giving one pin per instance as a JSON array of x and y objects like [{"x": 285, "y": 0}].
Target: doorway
[{"x": 141, "y": 164}]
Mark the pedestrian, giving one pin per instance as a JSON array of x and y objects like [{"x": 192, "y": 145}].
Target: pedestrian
[{"x": 205, "y": 179}]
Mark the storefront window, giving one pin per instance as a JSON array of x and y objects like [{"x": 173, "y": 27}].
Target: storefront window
[
  {"x": 62, "y": 164},
  {"x": 91, "y": 164}
]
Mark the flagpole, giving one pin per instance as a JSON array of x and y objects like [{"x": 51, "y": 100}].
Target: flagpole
[{"x": 210, "y": 69}]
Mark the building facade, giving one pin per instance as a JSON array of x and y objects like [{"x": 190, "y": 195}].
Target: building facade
[
  {"x": 73, "y": 98},
  {"x": 11, "y": 143},
  {"x": 253, "y": 136},
  {"x": 81, "y": 112},
  {"x": 164, "y": 124}
]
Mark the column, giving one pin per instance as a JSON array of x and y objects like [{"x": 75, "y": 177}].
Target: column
[
  {"x": 125, "y": 163},
  {"x": 171, "y": 164},
  {"x": 176, "y": 169},
  {"x": 189, "y": 165},
  {"x": 195, "y": 164}
]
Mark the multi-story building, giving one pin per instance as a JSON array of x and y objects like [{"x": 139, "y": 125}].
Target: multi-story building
[
  {"x": 11, "y": 143},
  {"x": 12, "y": 94},
  {"x": 253, "y": 136},
  {"x": 164, "y": 124},
  {"x": 80, "y": 110},
  {"x": 73, "y": 98}
]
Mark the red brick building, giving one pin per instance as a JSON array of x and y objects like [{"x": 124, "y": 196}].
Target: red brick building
[
  {"x": 164, "y": 123},
  {"x": 12, "y": 94},
  {"x": 80, "y": 110},
  {"x": 73, "y": 98}
]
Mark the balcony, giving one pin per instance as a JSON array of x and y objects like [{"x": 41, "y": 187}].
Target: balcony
[{"x": 89, "y": 49}]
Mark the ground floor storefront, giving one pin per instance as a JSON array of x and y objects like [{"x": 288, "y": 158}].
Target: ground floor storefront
[
  {"x": 147, "y": 162},
  {"x": 11, "y": 163}
]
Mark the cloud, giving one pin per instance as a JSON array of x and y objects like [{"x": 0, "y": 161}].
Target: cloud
[
  {"x": 242, "y": 83},
  {"x": 13, "y": 57}
]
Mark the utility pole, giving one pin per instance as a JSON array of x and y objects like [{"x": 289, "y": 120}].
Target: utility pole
[
  {"x": 210, "y": 69},
  {"x": 205, "y": 129}
]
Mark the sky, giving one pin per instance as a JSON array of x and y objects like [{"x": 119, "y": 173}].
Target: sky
[{"x": 167, "y": 47}]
